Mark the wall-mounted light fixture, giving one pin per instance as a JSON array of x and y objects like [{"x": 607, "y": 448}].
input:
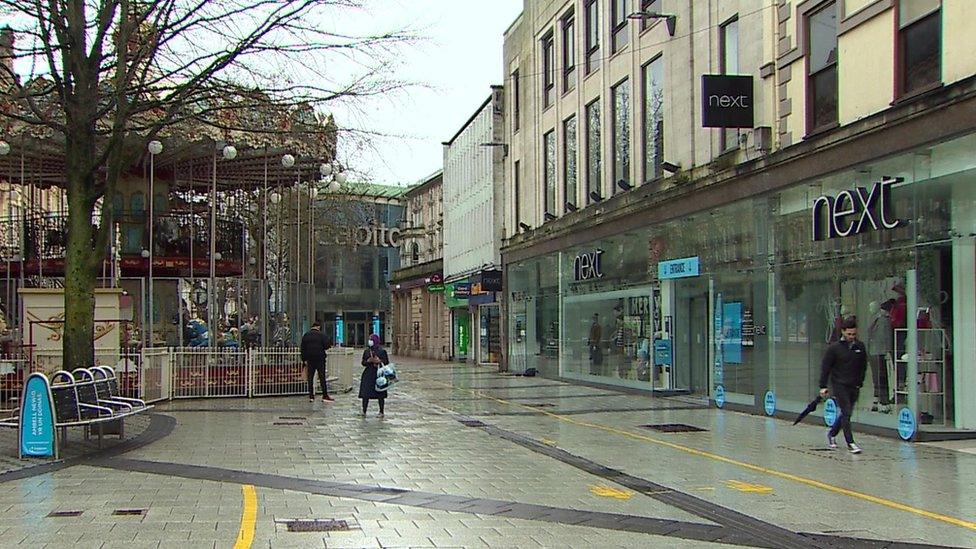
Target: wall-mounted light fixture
[
  {"x": 549, "y": 217},
  {"x": 524, "y": 226},
  {"x": 624, "y": 186},
  {"x": 670, "y": 168},
  {"x": 670, "y": 20},
  {"x": 570, "y": 207},
  {"x": 595, "y": 196}
]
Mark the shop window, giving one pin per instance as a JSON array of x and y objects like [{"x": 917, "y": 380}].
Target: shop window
[
  {"x": 569, "y": 52},
  {"x": 548, "y": 70},
  {"x": 653, "y": 122},
  {"x": 570, "y": 185},
  {"x": 621, "y": 135},
  {"x": 919, "y": 45},
  {"x": 549, "y": 164},
  {"x": 594, "y": 169},
  {"x": 729, "y": 64},
  {"x": 822, "y": 69},
  {"x": 618, "y": 15},
  {"x": 592, "y": 35}
]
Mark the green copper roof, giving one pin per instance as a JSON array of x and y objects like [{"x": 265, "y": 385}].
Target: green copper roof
[{"x": 374, "y": 189}]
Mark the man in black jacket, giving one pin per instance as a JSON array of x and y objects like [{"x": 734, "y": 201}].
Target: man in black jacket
[
  {"x": 314, "y": 345},
  {"x": 844, "y": 367}
]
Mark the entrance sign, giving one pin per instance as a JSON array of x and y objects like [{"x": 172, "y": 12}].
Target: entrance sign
[
  {"x": 37, "y": 434},
  {"x": 340, "y": 330},
  {"x": 854, "y": 212},
  {"x": 587, "y": 266},
  {"x": 678, "y": 268},
  {"x": 727, "y": 101}
]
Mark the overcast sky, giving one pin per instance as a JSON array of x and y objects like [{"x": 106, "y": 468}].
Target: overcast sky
[{"x": 460, "y": 58}]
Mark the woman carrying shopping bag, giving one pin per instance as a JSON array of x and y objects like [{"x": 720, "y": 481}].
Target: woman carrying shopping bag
[{"x": 373, "y": 357}]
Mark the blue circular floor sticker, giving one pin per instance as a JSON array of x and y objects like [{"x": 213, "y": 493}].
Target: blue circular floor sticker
[
  {"x": 770, "y": 403},
  {"x": 906, "y": 424},
  {"x": 830, "y": 412},
  {"x": 720, "y": 396}
]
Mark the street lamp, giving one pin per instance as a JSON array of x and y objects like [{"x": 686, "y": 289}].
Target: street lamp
[
  {"x": 155, "y": 147},
  {"x": 287, "y": 160},
  {"x": 230, "y": 152}
]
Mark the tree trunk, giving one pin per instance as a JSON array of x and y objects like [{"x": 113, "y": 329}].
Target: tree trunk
[{"x": 80, "y": 271}]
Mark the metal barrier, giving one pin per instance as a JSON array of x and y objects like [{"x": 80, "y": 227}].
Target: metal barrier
[
  {"x": 164, "y": 373},
  {"x": 13, "y": 371},
  {"x": 209, "y": 372},
  {"x": 277, "y": 371}
]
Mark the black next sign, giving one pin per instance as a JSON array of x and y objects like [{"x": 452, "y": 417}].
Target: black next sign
[{"x": 727, "y": 101}]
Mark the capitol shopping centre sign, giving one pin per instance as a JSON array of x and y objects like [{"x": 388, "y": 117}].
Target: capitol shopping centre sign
[{"x": 379, "y": 236}]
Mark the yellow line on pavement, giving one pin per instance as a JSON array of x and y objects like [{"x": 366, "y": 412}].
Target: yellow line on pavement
[
  {"x": 752, "y": 467},
  {"x": 248, "y": 518}
]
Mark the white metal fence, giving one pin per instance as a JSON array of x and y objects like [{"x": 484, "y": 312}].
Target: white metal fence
[{"x": 163, "y": 373}]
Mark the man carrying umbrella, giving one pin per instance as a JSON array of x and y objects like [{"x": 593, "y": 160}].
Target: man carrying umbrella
[{"x": 844, "y": 367}]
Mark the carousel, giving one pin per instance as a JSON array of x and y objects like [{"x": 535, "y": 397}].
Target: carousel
[{"x": 211, "y": 250}]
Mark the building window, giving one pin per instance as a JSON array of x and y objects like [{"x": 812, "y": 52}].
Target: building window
[
  {"x": 549, "y": 163},
  {"x": 569, "y": 52},
  {"x": 592, "y": 35},
  {"x": 653, "y": 124},
  {"x": 415, "y": 252},
  {"x": 618, "y": 16},
  {"x": 368, "y": 281},
  {"x": 548, "y": 70},
  {"x": 621, "y": 133},
  {"x": 516, "y": 100},
  {"x": 919, "y": 45},
  {"x": 729, "y": 64},
  {"x": 649, "y": 6},
  {"x": 517, "y": 180},
  {"x": 594, "y": 169},
  {"x": 822, "y": 69},
  {"x": 570, "y": 185}
]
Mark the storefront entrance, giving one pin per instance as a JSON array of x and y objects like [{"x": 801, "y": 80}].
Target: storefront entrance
[{"x": 691, "y": 336}]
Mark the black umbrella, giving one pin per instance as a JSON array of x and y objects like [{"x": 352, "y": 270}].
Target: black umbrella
[{"x": 810, "y": 407}]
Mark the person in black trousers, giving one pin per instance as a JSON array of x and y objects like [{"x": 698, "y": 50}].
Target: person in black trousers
[
  {"x": 844, "y": 367},
  {"x": 314, "y": 345},
  {"x": 373, "y": 357}
]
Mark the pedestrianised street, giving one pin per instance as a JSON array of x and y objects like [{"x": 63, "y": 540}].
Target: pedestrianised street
[{"x": 467, "y": 457}]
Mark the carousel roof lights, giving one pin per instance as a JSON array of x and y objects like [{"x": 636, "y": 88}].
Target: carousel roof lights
[
  {"x": 4, "y": 148},
  {"x": 230, "y": 152},
  {"x": 275, "y": 198},
  {"x": 287, "y": 160},
  {"x": 155, "y": 147},
  {"x": 324, "y": 169}
]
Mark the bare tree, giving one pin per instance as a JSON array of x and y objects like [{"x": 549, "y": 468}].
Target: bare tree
[{"x": 107, "y": 76}]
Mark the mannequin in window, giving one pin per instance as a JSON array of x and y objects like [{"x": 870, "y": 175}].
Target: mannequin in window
[
  {"x": 899, "y": 321},
  {"x": 879, "y": 349}
]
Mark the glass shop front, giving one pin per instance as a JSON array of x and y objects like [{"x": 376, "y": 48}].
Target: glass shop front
[{"x": 739, "y": 303}]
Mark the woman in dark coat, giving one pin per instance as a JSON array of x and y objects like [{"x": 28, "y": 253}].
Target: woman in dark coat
[{"x": 373, "y": 357}]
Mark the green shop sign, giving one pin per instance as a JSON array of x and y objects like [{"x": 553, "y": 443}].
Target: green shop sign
[{"x": 435, "y": 288}]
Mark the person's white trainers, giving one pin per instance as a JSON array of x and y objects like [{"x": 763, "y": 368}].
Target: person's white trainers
[
  {"x": 831, "y": 441},
  {"x": 854, "y": 448}
]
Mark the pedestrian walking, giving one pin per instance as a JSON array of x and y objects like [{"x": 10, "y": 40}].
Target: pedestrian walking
[
  {"x": 373, "y": 357},
  {"x": 842, "y": 374},
  {"x": 314, "y": 345}
]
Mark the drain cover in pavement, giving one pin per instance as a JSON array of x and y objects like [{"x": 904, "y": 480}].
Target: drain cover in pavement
[
  {"x": 542, "y": 405},
  {"x": 293, "y": 417},
  {"x": 130, "y": 512},
  {"x": 64, "y": 514},
  {"x": 674, "y": 428},
  {"x": 315, "y": 525},
  {"x": 288, "y": 423},
  {"x": 473, "y": 423}
]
